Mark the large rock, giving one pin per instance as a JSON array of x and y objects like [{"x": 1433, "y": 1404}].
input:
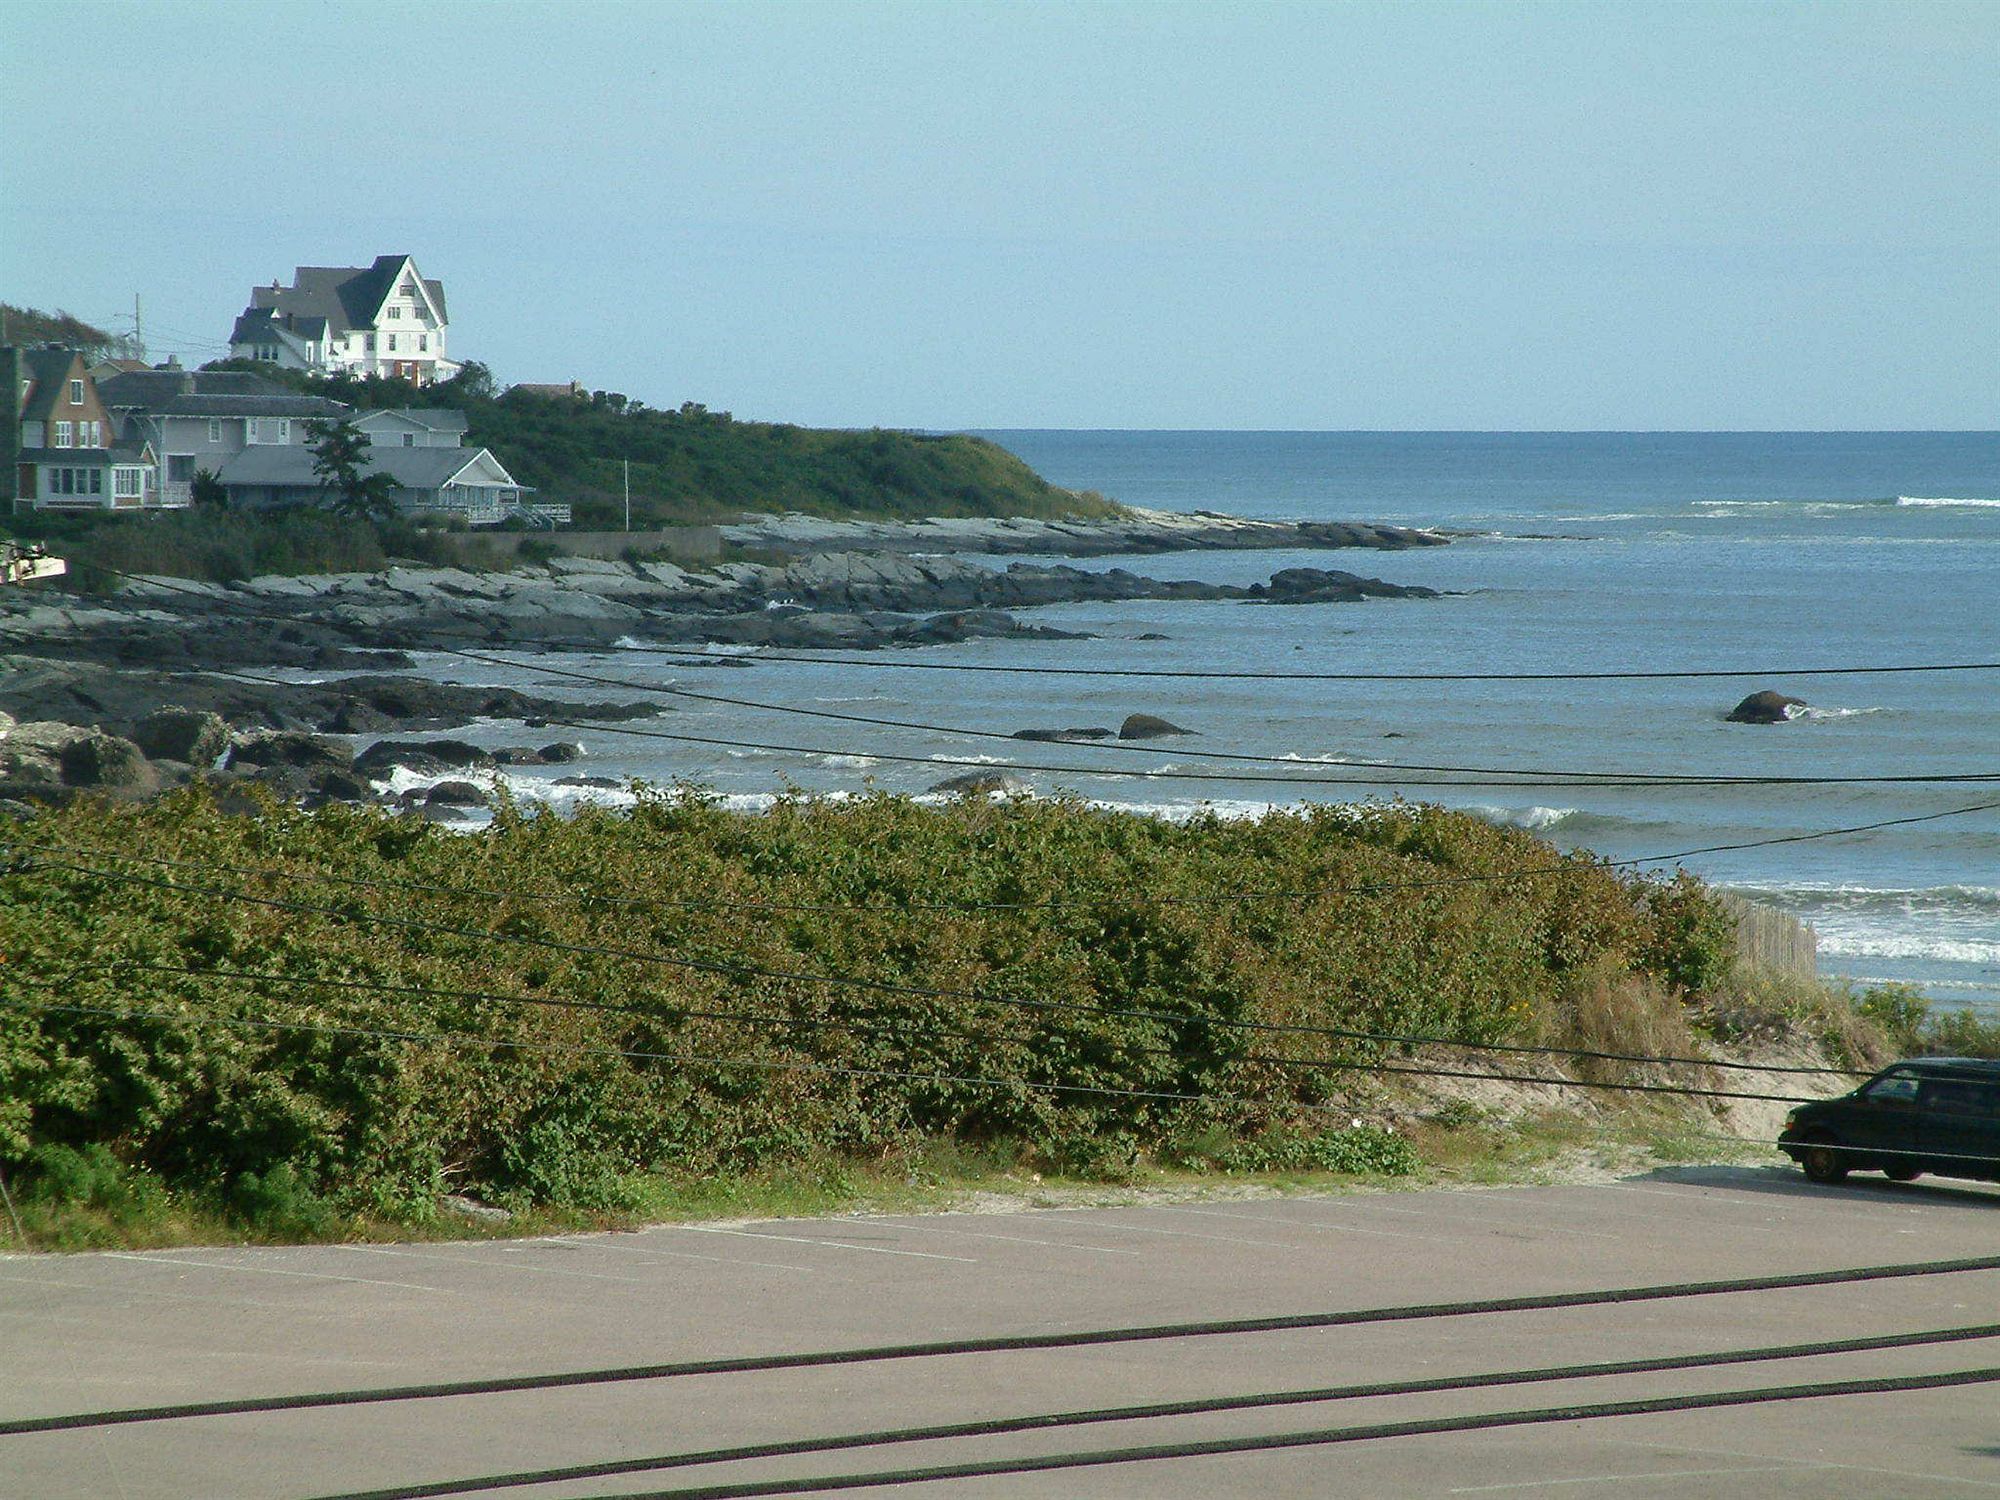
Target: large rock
[
  {"x": 304, "y": 752},
  {"x": 1767, "y": 707},
  {"x": 104, "y": 762},
  {"x": 31, "y": 753},
  {"x": 185, "y": 734},
  {"x": 980, "y": 784},
  {"x": 455, "y": 794},
  {"x": 1148, "y": 727},
  {"x": 425, "y": 757},
  {"x": 1064, "y": 736}
]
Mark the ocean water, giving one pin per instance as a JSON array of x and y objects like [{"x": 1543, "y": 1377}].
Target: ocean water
[{"x": 1765, "y": 554}]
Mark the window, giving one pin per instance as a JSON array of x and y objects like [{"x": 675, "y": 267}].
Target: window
[
  {"x": 127, "y": 484},
  {"x": 76, "y": 393},
  {"x": 392, "y": 343},
  {"x": 395, "y": 312},
  {"x": 1898, "y": 1089},
  {"x": 96, "y": 435},
  {"x": 96, "y": 481},
  {"x": 62, "y": 438},
  {"x": 284, "y": 429},
  {"x": 409, "y": 440},
  {"x": 423, "y": 343},
  {"x": 180, "y": 468},
  {"x": 215, "y": 429}
]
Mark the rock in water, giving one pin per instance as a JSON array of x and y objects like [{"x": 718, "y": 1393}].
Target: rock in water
[
  {"x": 305, "y": 752},
  {"x": 1147, "y": 727},
  {"x": 979, "y": 784},
  {"x": 1766, "y": 707},
  {"x": 455, "y": 794},
  {"x": 425, "y": 757}
]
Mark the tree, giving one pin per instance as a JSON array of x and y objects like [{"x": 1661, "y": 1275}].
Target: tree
[
  {"x": 474, "y": 381},
  {"x": 208, "y": 492},
  {"x": 340, "y": 455}
]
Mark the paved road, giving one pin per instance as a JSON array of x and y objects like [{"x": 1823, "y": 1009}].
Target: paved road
[{"x": 94, "y": 1332}]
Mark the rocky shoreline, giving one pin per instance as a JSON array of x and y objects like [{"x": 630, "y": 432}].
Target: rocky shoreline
[
  {"x": 110, "y": 664},
  {"x": 864, "y": 595}
]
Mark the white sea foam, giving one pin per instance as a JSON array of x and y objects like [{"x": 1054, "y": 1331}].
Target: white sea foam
[
  {"x": 977, "y": 760},
  {"x": 1908, "y": 945},
  {"x": 846, "y": 762},
  {"x": 1948, "y": 500},
  {"x": 1533, "y": 818},
  {"x": 1329, "y": 759},
  {"x": 1805, "y": 713}
]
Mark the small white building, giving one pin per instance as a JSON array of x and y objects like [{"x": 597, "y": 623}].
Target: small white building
[
  {"x": 382, "y": 319},
  {"x": 414, "y": 427}
]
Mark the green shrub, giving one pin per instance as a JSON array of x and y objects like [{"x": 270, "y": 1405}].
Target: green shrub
[{"x": 283, "y": 1098}]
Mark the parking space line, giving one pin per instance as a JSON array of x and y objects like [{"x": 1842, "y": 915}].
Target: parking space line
[
  {"x": 493, "y": 1265},
  {"x": 1549, "y": 1484},
  {"x": 752, "y": 1234},
  {"x": 1185, "y": 1234},
  {"x": 218, "y": 1265},
  {"x": 1813, "y": 1463},
  {"x": 1277, "y": 1222},
  {"x": 1016, "y": 1239},
  {"x": 656, "y": 1251}
]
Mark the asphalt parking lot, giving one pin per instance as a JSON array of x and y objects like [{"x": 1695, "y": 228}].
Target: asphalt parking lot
[{"x": 99, "y": 1332}]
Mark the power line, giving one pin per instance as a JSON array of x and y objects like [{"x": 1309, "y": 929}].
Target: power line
[
  {"x": 1046, "y": 1421},
  {"x": 1521, "y": 777},
  {"x": 1288, "y": 677},
  {"x": 1339, "y": 1033},
  {"x": 1552, "y": 778},
  {"x": 856, "y": 982},
  {"x": 739, "y": 1490},
  {"x": 967, "y": 1081},
  {"x": 1522, "y": 872},
  {"x": 1004, "y": 1344},
  {"x": 1323, "y": 1065}
]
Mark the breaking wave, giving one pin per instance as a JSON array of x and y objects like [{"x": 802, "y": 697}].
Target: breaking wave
[{"x": 1948, "y": 500}]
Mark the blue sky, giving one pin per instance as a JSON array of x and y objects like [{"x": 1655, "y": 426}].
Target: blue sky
[{"x": 1415, "y": 215}]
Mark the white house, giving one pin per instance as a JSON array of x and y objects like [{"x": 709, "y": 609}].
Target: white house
[
  {"x": 414, "y": 427},
  {"x": 383, "y": 319}
]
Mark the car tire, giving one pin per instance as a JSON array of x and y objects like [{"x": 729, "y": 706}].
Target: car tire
[
  {"x": 1904, "y": 1173},
  {"x": 1824, "y": 1162}
]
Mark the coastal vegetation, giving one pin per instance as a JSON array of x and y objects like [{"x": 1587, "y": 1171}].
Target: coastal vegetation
[
  {"x": 690, "y": 464},
  {"x": 614, "y": 1014}
]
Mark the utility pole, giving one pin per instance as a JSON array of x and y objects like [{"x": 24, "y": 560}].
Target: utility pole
[
  {"x": 138, "y": 329},
  {"x": 628, "y": 494}
]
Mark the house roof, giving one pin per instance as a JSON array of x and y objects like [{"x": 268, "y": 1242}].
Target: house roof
[
  {"x": 118, "y": 453},
  {"x": 45, "y": 370},
  {"x": 291, "y": 465},
  {"x": 433, "y": 418},
  {"x": 212, "y": 393},
  {"x": 346, "y": 297}
]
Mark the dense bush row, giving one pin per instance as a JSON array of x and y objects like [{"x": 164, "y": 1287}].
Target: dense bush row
[
  {"x": 385, "y": 1102},
  {"x": 222, "y": 546}
]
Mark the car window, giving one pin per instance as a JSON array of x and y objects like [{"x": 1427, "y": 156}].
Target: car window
[
  {"x": 1897, "y": 1089},
  {"x": 1960, "y": 1097}
]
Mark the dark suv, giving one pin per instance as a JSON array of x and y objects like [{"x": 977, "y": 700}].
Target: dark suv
[{"x": 1932, "y": 1114}]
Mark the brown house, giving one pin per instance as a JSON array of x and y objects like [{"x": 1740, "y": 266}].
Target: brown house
[{"x": 65, "y": 452}]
